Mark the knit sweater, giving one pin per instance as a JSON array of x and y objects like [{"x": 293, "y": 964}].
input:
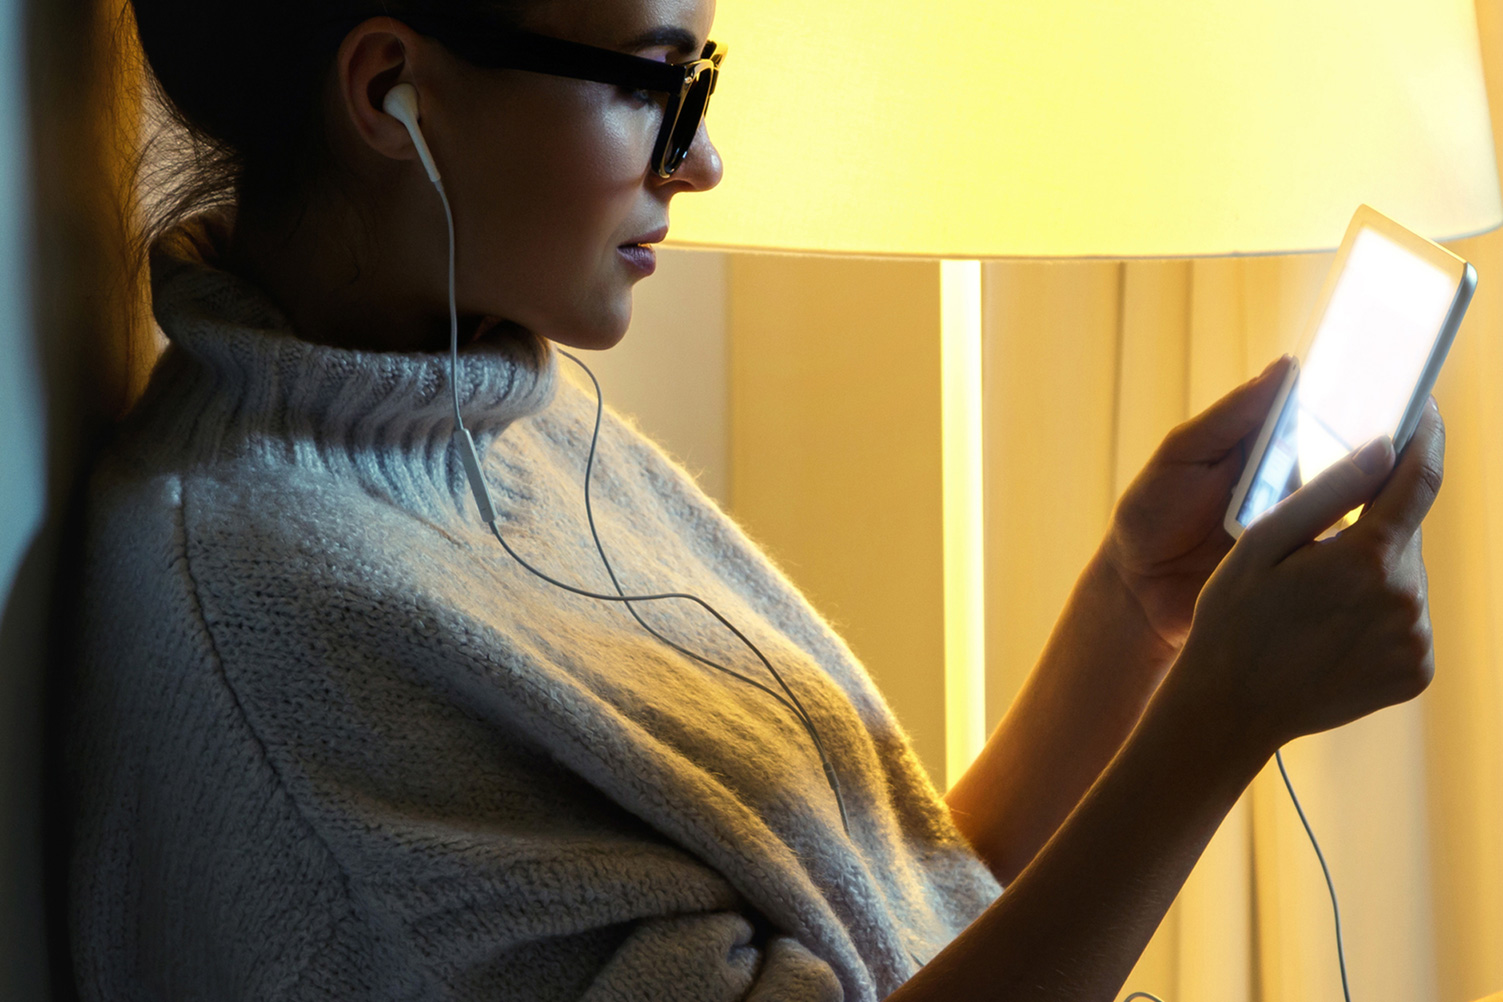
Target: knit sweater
[{"x": 330, "y": 742}]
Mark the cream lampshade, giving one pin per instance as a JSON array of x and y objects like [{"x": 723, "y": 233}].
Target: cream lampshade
[
  {"x": 1090, "y": 128},
  {"x": 971, "y": 129}
]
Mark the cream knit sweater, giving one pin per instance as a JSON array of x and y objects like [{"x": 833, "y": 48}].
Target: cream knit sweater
[{"x": 331, "y": 742}]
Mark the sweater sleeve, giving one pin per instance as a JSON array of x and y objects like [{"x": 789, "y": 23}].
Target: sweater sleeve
[
  {"x": 272, "y": 807},
  {"x": 193, "y": 875}
]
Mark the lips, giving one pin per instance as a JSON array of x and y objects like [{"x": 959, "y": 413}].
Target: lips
[
  {"x": 656, "y": 236},
  {"x": 640, "y": 257}
]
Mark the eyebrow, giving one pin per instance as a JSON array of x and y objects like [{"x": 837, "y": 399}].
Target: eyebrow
[{"x": 681, "y": 39}]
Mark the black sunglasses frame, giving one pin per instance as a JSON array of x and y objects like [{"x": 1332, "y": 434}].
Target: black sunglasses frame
[{"x": 513, "y": 48}]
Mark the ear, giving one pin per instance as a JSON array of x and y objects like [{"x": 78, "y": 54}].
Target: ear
[{"x": 376, "y": 55}]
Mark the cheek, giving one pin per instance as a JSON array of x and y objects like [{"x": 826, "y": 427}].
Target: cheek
[
  {"x": 557, "y": 189},
  {"x": 570, "y": 178},
  {"x": 587, "y": 183}
]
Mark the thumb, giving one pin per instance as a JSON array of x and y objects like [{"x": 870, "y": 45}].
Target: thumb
[
  {"x": 1215, "y": 431},
  {"x": 1319, "y": 504}
]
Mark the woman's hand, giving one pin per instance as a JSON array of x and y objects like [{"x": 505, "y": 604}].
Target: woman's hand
[
  {"x": 1166, "y": 534},
  {"x": 1290, "y": 636},
  {"x": 1293, "y": 636}
]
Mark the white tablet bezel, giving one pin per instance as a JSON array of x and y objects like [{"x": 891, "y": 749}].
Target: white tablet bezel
[{"x": 1465, "y": 277}]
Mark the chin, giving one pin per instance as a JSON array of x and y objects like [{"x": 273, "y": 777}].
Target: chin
[
  {"x": 589, "y": 342},
  {"x": 597, "y": 334}
]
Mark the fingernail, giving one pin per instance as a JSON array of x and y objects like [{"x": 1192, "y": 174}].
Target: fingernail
[
  {"x": 1433, "y": 405},
  {"x": 1375, "y": 456}
]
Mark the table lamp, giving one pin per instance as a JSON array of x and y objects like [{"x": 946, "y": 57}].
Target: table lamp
[{"x": 1080, "y": 129}]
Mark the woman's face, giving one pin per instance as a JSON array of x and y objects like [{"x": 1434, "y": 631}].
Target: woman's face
[{"x": 549, "y": 176}]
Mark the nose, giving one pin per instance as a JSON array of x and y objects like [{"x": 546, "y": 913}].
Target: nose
[{"x": 702, "y": 167}]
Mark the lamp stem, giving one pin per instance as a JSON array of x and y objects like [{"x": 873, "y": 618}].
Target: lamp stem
[{"x": 964, "y": 552}]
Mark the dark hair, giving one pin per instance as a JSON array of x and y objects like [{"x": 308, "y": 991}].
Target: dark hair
[{"x": 237, "y": 86}]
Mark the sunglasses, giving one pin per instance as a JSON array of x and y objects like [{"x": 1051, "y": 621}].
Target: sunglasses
[{"x": 688, "y": 85}]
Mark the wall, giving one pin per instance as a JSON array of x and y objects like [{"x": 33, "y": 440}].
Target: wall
[
  {"x": 24, "y": 572},
  {"x": 835, "y": 458},
  {"x": 63, "y": 307},
  {"x": 669, "y": 372},
  {"x": 804, "y": 394}
]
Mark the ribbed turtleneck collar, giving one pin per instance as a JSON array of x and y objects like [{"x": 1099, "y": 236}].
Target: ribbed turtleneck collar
[{"x": 236, "y": 380}]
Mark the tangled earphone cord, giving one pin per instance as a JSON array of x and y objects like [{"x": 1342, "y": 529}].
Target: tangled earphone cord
[{"x": 470, "y": 458}]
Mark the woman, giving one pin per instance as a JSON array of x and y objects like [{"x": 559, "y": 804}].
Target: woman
[{"x": 332, "y": 741}]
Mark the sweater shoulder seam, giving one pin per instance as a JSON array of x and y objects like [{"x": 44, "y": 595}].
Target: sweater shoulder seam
[{"x": 217, "y": 660}]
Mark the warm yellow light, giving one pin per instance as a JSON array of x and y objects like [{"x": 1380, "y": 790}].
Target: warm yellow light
[
  {"x": 1070, "y": 128},
  {"x": 964, "y": 554}
]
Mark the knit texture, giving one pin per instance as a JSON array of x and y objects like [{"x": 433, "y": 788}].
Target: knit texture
[{"x": 331, "y": 742}]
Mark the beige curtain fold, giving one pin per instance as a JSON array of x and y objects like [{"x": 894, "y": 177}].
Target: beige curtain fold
[{"x": 1087, "y": 366}]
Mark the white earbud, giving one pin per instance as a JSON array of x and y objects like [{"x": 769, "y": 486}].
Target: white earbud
[{"x": 401, "y": 103}]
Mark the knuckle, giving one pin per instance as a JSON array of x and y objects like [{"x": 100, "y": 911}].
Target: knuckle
[
  {"x": 1368, "y": 561},
  {"x": 1405, "y": 604},
  {"x": 1415, "y": 682},
  {"x": 1256, "y": 537},
  {"x": 1411, "y": 656},
  {"x": 1253, "y": 535},
  {"x": 1132, "y": 515},
  {"x": 1428, "y": 478},
  {"x": 1418, "y": 641},
  {"x": 1416, "y": 604},
  {"x": 1421, "y": 673},
  {"x": 1409, "y": 665},
  {"x": 1176, "y": 436},
  {"x": 1385, "y": 545}
]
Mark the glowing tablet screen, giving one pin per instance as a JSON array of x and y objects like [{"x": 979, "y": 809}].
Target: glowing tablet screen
[{"x": 1380, "y": 326}]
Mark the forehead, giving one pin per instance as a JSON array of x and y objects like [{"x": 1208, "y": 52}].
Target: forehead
[{"x": 615, "y": 23}]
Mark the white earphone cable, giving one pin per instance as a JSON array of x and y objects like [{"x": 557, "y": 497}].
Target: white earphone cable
[
  {"x": 1346, "y": 988},
  {"x": 471, "y": 459}
]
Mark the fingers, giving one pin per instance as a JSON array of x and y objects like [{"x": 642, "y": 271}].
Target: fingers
[
  {"x": 1320, "y": 504},
  {"x": 1219, "y": 428},
  {"x": 1395, "y": 514}
]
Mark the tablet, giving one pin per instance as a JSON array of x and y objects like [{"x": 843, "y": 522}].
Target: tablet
[{"x": 1385, "y": 319}]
